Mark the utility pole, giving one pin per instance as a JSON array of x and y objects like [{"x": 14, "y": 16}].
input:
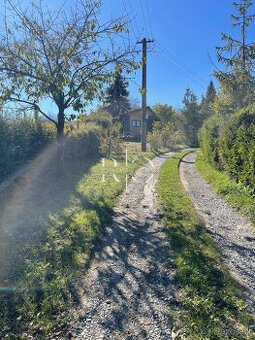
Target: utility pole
[{"x": 144, "y": 90}]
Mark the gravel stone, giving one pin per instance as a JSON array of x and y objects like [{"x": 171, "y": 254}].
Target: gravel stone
[
  {"x": 127, "y": 292},
  {"x": 233, "y": 232}
]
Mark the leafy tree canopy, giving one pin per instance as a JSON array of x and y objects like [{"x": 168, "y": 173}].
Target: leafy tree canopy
[
  {"x": 65, "y": 57},
  {"x": 164, "y": 112}
]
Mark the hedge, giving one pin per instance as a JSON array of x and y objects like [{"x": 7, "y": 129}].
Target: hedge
[
  {"x": 237, "y": 147},
  {"x": 230, "y": 146},
  {"x": 208, "y": 137},
  {"x": 21, "y": 140}
]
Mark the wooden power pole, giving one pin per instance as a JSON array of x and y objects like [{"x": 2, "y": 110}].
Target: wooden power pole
[{"x": 144, "y": 90}]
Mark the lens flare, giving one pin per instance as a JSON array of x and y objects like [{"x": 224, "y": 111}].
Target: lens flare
[{"x": 27, "y": 199}]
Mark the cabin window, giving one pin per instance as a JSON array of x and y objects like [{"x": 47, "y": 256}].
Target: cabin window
[{"x": 136, "y": 123}]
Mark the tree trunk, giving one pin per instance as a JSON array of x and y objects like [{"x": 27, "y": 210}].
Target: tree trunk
[
  {"x": 61, "y": 124},
  {"x": 60, "y": 140}
]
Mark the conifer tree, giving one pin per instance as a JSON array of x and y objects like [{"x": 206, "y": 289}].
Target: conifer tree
[
  {"x": 207, "y": 100},
  {"x": 210, "y": 93},
  {"x": 191, "y": 118},
  {"x": 237, "y": 55},
  {"x": 116, "y": 101}
]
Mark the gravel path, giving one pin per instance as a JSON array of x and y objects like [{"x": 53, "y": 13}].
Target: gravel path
[
  {"x": 128, "y": 293},
  {"x": 233, "y": 232}
]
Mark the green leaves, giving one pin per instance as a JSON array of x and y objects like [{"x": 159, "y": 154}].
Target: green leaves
[
  {"x": 238, "y": 57},
  {"x": 66, "y": 59}
]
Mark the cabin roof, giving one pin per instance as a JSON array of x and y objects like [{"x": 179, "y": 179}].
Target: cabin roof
[{"x": 139, "y": 109}]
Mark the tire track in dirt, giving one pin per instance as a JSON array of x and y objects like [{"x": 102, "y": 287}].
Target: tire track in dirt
[{"x": 127, "y": 293}]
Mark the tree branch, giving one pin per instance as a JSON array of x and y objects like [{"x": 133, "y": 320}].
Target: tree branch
[{"x": 35, "y": 106}]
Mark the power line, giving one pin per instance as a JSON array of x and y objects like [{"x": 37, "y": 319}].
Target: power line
[
  {"x": 177, "y": 67},
  {"x": 134, "y": 17},
  {"x": 169, "y": 63},
  {"x": 135, "y": 83},
  {"x": 174, "y": 61},
  {"x": 174, "y": 57},
  {"x": 149, "y": 16},
  {"x": 180, "y": 63},
  {"x": 130, "y": 19},
  {"x": 144, "y": 19}
]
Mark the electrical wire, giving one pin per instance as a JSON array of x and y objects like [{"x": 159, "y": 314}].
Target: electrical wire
[
  {"x": 181, "y": 64},
  {"x": 149, "y": 16},
  {"x": 171, "y": 64},
  {"x": 144, "y": 19},
  {"x": 134, "y": 18}
]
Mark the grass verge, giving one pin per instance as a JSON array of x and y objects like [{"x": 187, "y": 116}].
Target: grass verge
[
  {"x": 42, "y": 301},
  {"x": 236, "y": 194},
  {"x": 211, "y": 301}
]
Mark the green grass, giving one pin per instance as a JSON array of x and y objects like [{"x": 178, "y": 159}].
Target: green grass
[
  {"x": 237, "y": 195},
  {"x": 212, "y": 305},
  {"x": 49, "y": 286}
]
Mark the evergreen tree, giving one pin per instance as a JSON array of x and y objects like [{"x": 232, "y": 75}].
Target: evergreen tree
[
  {"x": 210, "y": 93},
  {"x": 238, "y": 57},
  {"x": 116, "y": 101},
  {"x": 191, "y": 118},
  {"x": 207, "y": 100}
]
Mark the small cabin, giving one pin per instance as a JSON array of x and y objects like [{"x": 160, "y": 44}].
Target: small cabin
[{"x": 132, "y": 121}]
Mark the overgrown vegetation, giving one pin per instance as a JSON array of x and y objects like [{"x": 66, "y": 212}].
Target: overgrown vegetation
[
  {"x": 21, "y": 140},
  {"x": 230, "y": 145},
  {"x": 48, "y": 287},
  {"x": 237, "y": 147},
  {"x": 164, "y": 136},
  {"x": 166, "y": 129},
  {"x": 237, "y": 195},
  {"x": 109, "y": 131},
  {"x": 227, "y": 138},
  {"x": 212, "y": 305},
  {"x": 208, "y": 137},
  {"x": 24, "y": 138}
]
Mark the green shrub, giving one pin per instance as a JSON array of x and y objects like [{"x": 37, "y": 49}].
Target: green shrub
[
  {"x": 21, "y": 140},
  {"x": 6, "y": 156},
  {"x": 163, "y": 136},
  {"x": 109, "y": 131},
  {"x": 237, "y": 147},
  {"x": 110, "y": 140},
  {"x": 82, "y": 142},
  {"x": 208, "y": 137}
]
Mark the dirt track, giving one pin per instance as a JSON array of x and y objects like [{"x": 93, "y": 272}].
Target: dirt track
[
  {"x": 233, "y": 232},
  {"x": 127, "y": 293}
]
